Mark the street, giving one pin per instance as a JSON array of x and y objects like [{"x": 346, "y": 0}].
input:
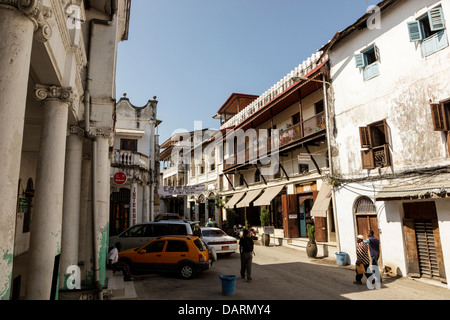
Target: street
[{"x": 282, "y": 273}]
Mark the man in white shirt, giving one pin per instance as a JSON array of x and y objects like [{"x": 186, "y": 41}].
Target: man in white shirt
[{"x": 115, "y": 264}]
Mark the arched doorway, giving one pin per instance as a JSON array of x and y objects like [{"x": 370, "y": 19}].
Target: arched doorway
[{"x": 366, "y": 219}]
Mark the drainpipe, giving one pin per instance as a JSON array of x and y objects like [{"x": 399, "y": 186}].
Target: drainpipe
[
  {"x": 330, "y": 160},
  {"x": 87, "y": 126}
]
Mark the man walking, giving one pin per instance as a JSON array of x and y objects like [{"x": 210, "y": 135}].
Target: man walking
[
  {"x": 374, "y": 245},
  {"x": 246, "y": 250}
]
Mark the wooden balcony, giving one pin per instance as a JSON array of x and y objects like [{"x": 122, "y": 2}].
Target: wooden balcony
[{"x": 287, "y": 137}]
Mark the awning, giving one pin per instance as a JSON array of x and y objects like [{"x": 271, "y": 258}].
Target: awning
[
  {"x": 322, "y": 203},
  {"x": 234, "y": 199},
  {"x": 267, "y": 196},
  {"x": 249, "y": 197},
  {"x": 412, "y": 192}
]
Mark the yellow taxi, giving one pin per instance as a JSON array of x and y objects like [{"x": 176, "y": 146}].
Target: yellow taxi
[{"x": 185, "y": 255}]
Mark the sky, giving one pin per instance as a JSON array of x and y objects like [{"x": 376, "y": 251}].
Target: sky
[{"x": 193, "y": 54}]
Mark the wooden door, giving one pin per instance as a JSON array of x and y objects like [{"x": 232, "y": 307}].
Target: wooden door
[{"x": 290, "y": 215}]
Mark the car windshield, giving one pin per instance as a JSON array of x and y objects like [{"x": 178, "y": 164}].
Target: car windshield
[
  {"x": 200, "y": 245},
  {"x": 213, "y": 233}
]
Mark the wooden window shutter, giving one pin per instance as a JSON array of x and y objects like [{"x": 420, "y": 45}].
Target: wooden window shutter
[
  {"x": 365, "y": 137},
  {"x": 412, "y": 256},
  {"x": 436, "y": 18},
  {"x": 386, "y": 132},
  {"x": 360, "y": 60},
  {"x": 367, "y": 159},
  {"x": 387, "y": 155},
  {"x": 440, "y": 117},
  {"x": 415, "y": 31}
]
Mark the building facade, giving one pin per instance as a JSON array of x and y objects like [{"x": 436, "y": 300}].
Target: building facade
[
  {"x": 57, "y": 92},
  {"x": 134, "y": 165},
  {"x": 275, "y": 156},
  {"x": 390, "y": 142}
]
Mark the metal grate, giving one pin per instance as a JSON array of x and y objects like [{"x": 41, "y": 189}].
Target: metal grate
[{"x": 426, "y": 249}]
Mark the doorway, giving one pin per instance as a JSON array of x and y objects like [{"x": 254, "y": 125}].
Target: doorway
[{"x": 304, "y": 214}]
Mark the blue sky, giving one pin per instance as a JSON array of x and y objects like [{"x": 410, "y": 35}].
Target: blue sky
[{"x": 192, "y": 54}]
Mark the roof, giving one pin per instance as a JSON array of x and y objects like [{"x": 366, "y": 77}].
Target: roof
[
  {"x": 360, "y": 24},
  {"x": 236, "y": 102}
]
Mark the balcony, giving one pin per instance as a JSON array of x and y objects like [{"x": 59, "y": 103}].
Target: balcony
[
  {"x": 130, "y": 159},
  {"x": 288, "y": 136}
]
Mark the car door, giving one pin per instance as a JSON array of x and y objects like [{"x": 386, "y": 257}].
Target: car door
[
  {"x": 176, "y": 250},
  {"x": 149, "y": 258},
  {"x": 131, "y": 238}
]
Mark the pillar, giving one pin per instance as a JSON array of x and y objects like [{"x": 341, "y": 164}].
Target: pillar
[
  {"x": 69, "y": 275},
  {"x": 15, "y": 53},
  {"x": 46, "y": 225}
]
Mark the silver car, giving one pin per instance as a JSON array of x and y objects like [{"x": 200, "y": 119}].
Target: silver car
[{"x": 140, "y": 234}]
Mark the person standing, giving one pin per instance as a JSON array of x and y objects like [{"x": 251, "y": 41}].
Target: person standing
[
  {"x": 246, "y": 250},
  {"x": 362, "y": 258},
  {"x": 210, "y": 223},
  {"x": 374, "y": 246}
]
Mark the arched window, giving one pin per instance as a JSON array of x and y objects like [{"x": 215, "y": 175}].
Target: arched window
[{"x": 365, "y": 206}]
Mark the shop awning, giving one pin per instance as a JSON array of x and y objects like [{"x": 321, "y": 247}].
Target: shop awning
[
  {"x": 412, "y": 192},
  {"x": 322, "y": 203},
  {"x": 267, "y": 196},
  {"x": 249, "y": 197},
  {"x": 234, "y": 199}
]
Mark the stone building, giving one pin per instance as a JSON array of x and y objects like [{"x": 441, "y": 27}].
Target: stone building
[{"x": 57, "y": 97}]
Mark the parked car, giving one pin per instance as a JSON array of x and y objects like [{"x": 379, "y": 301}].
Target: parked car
[
  {"x": 140, "y": 234},
  {"x": 185, "y": 255},
  {"x": 219, "y": 240}
]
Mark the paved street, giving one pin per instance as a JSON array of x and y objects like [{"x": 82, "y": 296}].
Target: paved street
[{"x": 281, "y": 273}]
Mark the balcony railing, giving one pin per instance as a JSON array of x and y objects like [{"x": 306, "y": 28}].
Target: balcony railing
[
  {"x": 123, "y": 158},
  {"x": 287, "y": 136}
]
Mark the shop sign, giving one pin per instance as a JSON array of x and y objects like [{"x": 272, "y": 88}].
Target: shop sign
[
  {"x": 120, "y": 178},
  {"x": 269, "y": 230},
  {"x": 23, "y": 205},
  {"x": 181, "y": 191}
]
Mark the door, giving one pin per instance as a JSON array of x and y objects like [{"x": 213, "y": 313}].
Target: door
[
  {"x": 424, "y": 257},
  {"x": 150, "y": 258},
  {"x": 290, "y": 215}
]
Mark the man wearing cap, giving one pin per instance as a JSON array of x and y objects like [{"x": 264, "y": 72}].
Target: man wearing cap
[{"x": 362, "y": 258}]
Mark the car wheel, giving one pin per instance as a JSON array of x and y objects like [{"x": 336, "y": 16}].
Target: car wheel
[{"x": 187, "y": 271}]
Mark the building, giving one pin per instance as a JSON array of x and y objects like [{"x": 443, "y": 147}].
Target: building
[
  {"x": 57, "y": 92},
  {"x": 189, "y": 164},
  {"x": 390, "y": 141},
  {"x": 134, "y": 165},
  {"x": 275, "y": 156}
]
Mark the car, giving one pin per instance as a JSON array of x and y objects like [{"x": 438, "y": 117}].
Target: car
[
  {"x": 216, "y": 238},
  {"x": 185, "y": 255},
  {"x": 140, "y": 234}
]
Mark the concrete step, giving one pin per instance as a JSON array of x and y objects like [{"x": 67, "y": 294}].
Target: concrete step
[{"x": 118, "y": 288}]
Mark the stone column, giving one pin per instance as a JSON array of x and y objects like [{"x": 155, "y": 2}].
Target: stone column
[
  {"x": 45, "y": 236},
  {"x": 71, "y": 210},
  {"x": 16, "y": 31}
]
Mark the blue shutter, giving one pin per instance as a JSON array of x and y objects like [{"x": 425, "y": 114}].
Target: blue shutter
[
  {"x": 442, "y": 41},
  {"x": 371, "y": 71},
  {"x": 360, "y": 60},
  {"x": 436, "y": 18},
  {"x": 415, "y": 31},
  {"x": 435, "y": 43}
]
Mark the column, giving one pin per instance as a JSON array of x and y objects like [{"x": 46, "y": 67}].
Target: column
[
  {"x": 46, "y": 225},
  {"x": 69, "y": 272},
  {"x": 15, "y": 53}
]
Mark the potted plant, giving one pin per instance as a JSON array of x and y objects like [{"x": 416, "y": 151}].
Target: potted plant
[
  {"x": 265, "y": 218},
  {"x": 311, "y": 248}
]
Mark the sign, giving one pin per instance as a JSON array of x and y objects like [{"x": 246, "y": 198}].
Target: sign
[
  {"x": 304, "y": 158},
  {"x": 133, "y": 204},
  {"x": 23, "y": 205},
  {"x": 293, "y": 216},
  {"x": 269, "y": 230},
  {"x": 120, "y": 178},
  {"x": 181, "y": 191}
]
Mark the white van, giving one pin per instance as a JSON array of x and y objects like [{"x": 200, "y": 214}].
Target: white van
[{"x": 140, "y": 234}]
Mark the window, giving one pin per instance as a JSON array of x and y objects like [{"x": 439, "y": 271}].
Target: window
[
  {"x": 303, "y": 168},
  {"x": 128, "y": 145},
  {"x": 375, "y": 142},
  {"x": 156, "y": 246},
  {"x": 430, "y": 31},
  {"x": 257, "y": 175},
  {"x": 296, "y": 118},
  {"x": 368, "y": 61},
  {"x": 440, "y": 112},
  {"x": 177, "y": 246}
]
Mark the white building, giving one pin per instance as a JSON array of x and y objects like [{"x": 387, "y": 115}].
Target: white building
[
  {"x": 390, "y": 142},
  {"x": 134, "y": 165},
  {"x": 57, "y": 97}
]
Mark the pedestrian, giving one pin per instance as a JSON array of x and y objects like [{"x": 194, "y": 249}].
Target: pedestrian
[
  {"x": 246, "y": 250},
  {"x": 362, "y": 259},
  {"x": 210, "y": 223},
  {"x": 116, "y": 265},
  {"x": 374, "y": 246}
]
